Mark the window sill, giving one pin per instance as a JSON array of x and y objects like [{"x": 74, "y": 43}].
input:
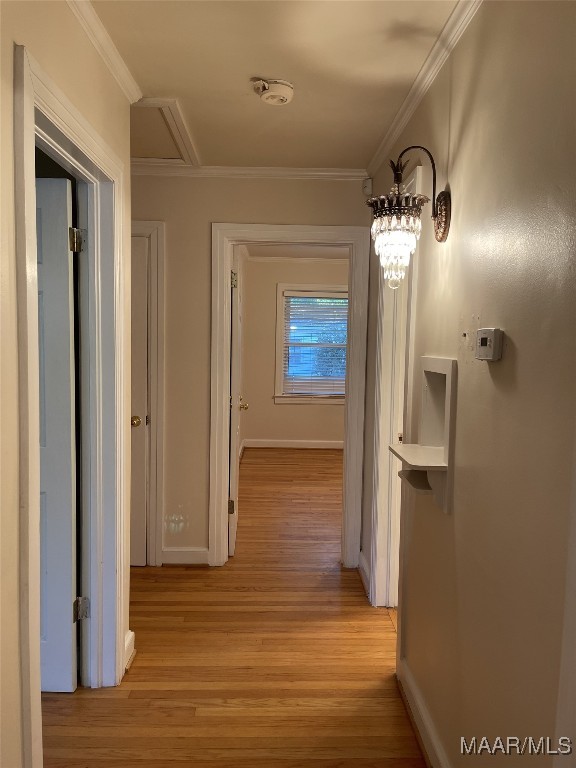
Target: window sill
[{"x": 309, "y": 400}]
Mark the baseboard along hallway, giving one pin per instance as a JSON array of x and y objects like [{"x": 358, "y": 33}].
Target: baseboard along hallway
[{"x": 275, "y": 660}]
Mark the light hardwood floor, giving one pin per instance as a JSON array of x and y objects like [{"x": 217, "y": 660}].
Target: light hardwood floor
[{"x": 274, "y": 661}]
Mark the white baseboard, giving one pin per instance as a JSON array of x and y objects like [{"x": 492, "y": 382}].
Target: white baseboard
[
  {"x": 422, "y": 718},
  {"x": 364, "y": 568},
  {"x": 185, "y": 555},
  {"x": 129, "y": 648},
  {"x": 257, "y": 443}
]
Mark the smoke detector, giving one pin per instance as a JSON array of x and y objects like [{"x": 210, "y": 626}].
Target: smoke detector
[{"x": 274, "y": 92}]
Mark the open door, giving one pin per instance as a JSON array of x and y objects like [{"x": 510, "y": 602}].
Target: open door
[
  {"x": 57, "y": 435},
  {"x": 237, "y": 405}
]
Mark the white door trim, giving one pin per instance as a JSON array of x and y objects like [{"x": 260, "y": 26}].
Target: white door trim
[
  {"x": 393, "y": 372},
  {"x": 382, "y": 590},
  {"x": 155, "y": 231},
  {"x": 224, "y": 238},
  {"x": 43, "y": 114}
]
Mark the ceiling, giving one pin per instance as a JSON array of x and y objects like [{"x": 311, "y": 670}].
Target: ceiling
[{"x": 352, "y": 63}]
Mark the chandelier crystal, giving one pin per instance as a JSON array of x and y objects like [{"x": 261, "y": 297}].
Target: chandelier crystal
[
  {"x": 395, "y": 230},
  {"x": 397, "y": 221}
]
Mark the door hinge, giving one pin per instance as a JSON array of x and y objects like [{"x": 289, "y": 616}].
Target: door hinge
[
  {"x": 77, "y": 238},
  {"x": 231, "y": 506},
  {"x": 80, "y": 609},
  {"x": 234, "y": 279}
]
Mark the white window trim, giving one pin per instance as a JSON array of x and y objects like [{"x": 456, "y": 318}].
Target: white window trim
[{"x": 299, "y": 289}]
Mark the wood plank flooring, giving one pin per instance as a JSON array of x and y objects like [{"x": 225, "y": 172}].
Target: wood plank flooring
[{"x": 275, "y": 660}]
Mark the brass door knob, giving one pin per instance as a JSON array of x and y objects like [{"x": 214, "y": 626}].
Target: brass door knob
[{"x": 135, "y": 421}]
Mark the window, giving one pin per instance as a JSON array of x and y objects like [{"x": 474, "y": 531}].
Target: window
[{"x": 312, "y": 332}]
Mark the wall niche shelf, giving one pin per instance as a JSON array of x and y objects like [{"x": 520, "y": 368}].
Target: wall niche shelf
[{"x": 428, "y": 465}]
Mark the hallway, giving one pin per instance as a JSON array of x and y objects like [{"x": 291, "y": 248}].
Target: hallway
[{"x": 275, "y": 660}]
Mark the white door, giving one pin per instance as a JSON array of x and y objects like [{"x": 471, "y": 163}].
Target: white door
[
  {"x": 237, "y": 404},
  {"x": 140, "y": 428},
  {"x": 57, "y": 435}
]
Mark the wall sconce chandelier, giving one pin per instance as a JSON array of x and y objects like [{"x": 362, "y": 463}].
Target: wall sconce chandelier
[{"x": 396, "y": 226}]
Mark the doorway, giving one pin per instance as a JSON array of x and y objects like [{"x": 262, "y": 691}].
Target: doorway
[
  {"x": 61, "y": 447},
  {"x": 224, "y": 238},
  {"x": 289, "y": 307},
  {"x": 389, "y": 422},
  {"x": 45, "y": 118},
  {"x": 147, "y": 545}
]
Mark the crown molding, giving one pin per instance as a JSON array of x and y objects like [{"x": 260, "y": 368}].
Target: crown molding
[
  {"x": 101, "y": 40},
  {"x": 177, "y": 168},
  {"x": 178, "y": 128},
  {"x": 459, "y": 19}
]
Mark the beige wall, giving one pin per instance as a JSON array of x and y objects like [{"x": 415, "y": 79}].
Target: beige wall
[
  {"x": 189, "y": 206},
  {"x": 484, "y": 596},
  {"x": 265, "y": 419},
  {"x": 54, "y": 38}
]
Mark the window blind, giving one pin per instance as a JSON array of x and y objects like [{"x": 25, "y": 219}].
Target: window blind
[{"x": 314, "y": 343}]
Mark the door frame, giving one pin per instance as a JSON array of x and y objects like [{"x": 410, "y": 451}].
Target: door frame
[
  {"x": 394, "y": 359},
  {"x": 155, "y": 232},
  {"x": 239, "y": 255},
  {"x": 224, "y": 238},
  {"x": 43, "y": 115}
]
